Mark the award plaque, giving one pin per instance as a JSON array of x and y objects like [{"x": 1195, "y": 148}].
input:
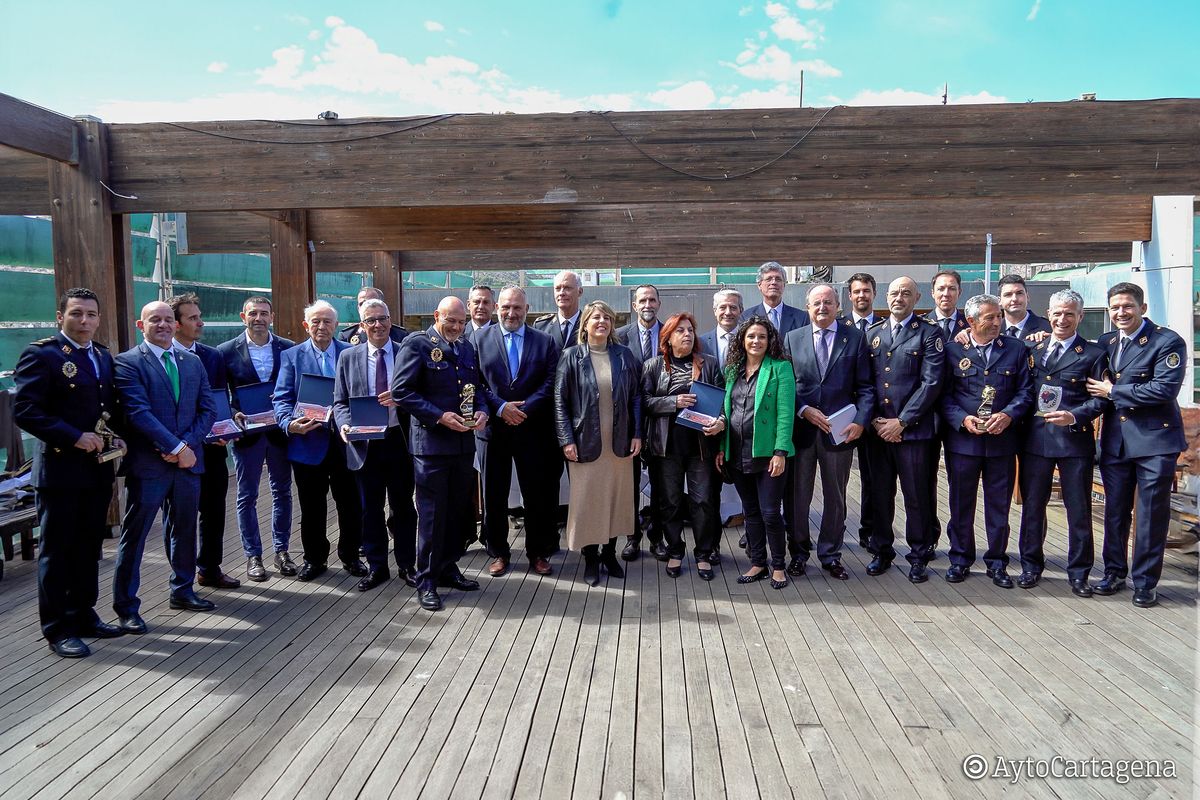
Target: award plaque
[
  {"x": 985, "y": 408},
  {"x": 111, "y": 450},
  {"x": 466, "y": 409},
  {"x": 1049, "y": 399}
]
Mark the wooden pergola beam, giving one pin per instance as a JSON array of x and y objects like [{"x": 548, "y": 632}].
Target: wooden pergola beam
[
  {"x": 38, "y": 131},
  {"x": 293, "y": 284}
]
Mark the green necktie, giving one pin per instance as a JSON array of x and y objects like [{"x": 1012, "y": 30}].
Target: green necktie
[{"x": 172, "y": 373}]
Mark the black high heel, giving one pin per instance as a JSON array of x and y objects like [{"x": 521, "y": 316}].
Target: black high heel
[{"x": 591, "y": 566}]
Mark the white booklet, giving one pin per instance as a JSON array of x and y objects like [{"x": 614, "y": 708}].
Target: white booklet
[{"x": 838, "y": 421}]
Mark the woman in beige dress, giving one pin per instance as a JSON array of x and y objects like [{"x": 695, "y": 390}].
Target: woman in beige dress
[{"x": 598, "y": 419}]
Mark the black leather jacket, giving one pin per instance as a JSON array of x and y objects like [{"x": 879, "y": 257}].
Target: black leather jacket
[
  {"x": 660, "y": 408},
  {"x": 576, "y": 409}
]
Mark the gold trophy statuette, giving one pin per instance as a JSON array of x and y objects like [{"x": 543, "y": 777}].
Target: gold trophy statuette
[
  {"x": 110, "y": 451},
  {"x": 985, "y": 408},
  {"x": 466, "y": 409}
]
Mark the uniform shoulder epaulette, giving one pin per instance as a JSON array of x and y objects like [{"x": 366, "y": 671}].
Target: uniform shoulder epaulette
[
  {"x": 47, "y": 340},
  {"x": 544, "y": 318},
  {"x": 928, "y": 321},
  {"x": 876, "y": 323},
  {"x": 99, "y": 346}
]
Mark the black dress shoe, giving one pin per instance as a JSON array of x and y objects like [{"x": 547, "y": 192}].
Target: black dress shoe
[
  {"x": 705, "y": 573},
  {"x": 714, "y": 557},
  {"x": 659, "y": 551},
  {"x": 284, "y": 563},
  {"x": 632, "y": 550},
  {"x": 375, "y": 577},
  {"x": 742, "y": 542},
  {"x": 797, "y": 566},
  {"x": 431, "y": 601},
  {"x": 758, "y": 576},
  {"x": 458, "y": 581},
  {"x": 70, "y": 647},
  {"x": 409, "y": 576},
  {"x": 217, "y": 580},
  {"x": 102, "y": 630},
  {"x": 879, "y": 565},
  {"x": 309, "y": 571},
  {"x": 190, "y": 602},
  {"x": 1000, "y": 578},
  {"x": 1111, "y": 584},
  {"x": 591, "y": 573},
  {"x": 1028, "y": 580},
  {"x": 1145, "y": 598},
  {"x": 836, "y": 571},
  {"x": 612, "y": 566},
  {"x": 1081, "y": 588},
  {"x": 918, "y": 573},
  {"x": 675, "y": 571},
  {"x": 133, "y": 623},
  {"x": 356, "y": 568},
  {"x": 957, "y": 573}
]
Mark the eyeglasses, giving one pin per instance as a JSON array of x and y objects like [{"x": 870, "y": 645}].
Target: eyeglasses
[{"x": 376, "y": 320}]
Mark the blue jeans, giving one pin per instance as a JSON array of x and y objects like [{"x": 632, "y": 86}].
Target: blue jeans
[{"x": 248, "y": 465}]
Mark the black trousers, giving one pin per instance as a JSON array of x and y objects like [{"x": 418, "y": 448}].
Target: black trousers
[
  {"x": 314, "y": 483},
  {"x": 998, "y": 475},
  {"x": 1151, "y": 476},
  {"x": 762, "y": 502},
  {"x": 935, "y": 472},
  {"x": 214, "y": 485},
  {"x": 73, "y": 524},
  {"x": 653, "y": 518},
  {"x": 444, "y": 515},
  {"x": 907, "y": 462},
  {"x": 387, "y": 474},
  {"x": 539, "y": 469},
  {"x": 1075, "y": 478},
  {"x": 667, "y": 483},
  {"x": 866, "y": 515}
]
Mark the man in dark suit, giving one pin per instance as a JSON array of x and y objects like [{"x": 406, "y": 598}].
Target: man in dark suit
[
  {"x": 952, "y": 323},
  {"x": 318, "y": 456},
  {"x": 168, "y": 410},
  {"x": 727, "y": 309},
  {"x": 438, "y": 382},
  {"x": 862, "y": 315},
  {"x": 481, "y": 304},
  {"x": 1061, "y": 438},
  {"x": 382, "y": 468},
  {"x": 832, "y": 371},
  {"x": 906, "y": 362},
  {"x": 214, "y": 482},
  {"x": 563, "y": 327},
  {"x": 771, "y": 281},
  {"x": 1019, "y": 322},
  {"x": 251, "y": 358},
  {"x": 1140, "y": 442},
  {"x": 988, "y": 391},
  {"x": 64, "y": 389},
  {"x": 355, "y": 333},
  {"x": 518, "y": 365}
]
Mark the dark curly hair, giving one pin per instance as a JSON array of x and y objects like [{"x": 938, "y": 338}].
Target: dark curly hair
[{"x": 735, "y": 359}]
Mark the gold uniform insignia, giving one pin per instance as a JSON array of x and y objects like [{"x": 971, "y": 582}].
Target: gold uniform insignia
[
  {"x": 69, "y": 368},
  {"x": 1173, "y": 360},
  {"x": 915, "y": 325},
  {"x": 66, "y": 348},
  {"x": 964, "y": 364},
  {"x": 1143, "y": 340},
  {"x": 1032, "y": 362},
  {"x": 875, "y": 343},
  {"x": 355, "y": 339},
  {"x": 1078, "y": 348},
  {"x": 436, "y": 354}
]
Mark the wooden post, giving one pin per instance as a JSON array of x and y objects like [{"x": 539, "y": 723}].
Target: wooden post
[
  {"x": 293, "y": 281},
  {"x": 385, "y": 269},
  {"x": 91, "y": 245}
]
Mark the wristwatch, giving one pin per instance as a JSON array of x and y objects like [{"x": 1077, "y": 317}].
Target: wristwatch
[{"x": 903, "y": 424}]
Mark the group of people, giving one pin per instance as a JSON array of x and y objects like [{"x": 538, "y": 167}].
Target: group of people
[{"x": 803, "y": 391}]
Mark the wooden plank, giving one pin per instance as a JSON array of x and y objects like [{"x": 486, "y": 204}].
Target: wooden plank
[
  {"x": 38, "y": 131},
  {"x": 385, "y": 276},
  {"x": 26, "y": 188},
  {"x": 293, "y": 283}
]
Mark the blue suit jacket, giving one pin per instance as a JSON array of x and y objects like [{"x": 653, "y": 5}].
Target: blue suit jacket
[
  {"x": 240, "y": 371},
  {"x": 214, "y": 366},
  {"x": 154, "y": 422},
  {"x": 427, "y": 385},
  {"x": 1084, "y": 360},
  {"x": 1143, "y": 418},
  {"x": 908, "y": 374},
  {"x": 790, "y": 318},
  {"x": 966, "y": 375},
  {"x": 847, "y": 381},
  {"x": 533, "y": 383},
  {"x": 311, "y": 447}
]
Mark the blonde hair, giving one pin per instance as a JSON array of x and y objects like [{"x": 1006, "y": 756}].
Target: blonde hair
[{"x": 605, "y": 309}]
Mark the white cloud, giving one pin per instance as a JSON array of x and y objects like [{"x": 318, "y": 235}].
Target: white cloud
[
  {"x": 789, "y": 28},
  {"x": 218, "y": 67},
  {"x": 297, "y": 19},
  {"x": 775, "y": 64},
  {"x": 780, "y": 96},
  {"x": 334, "y": 22},
  {"x": 693, "y": 94},
  {"x": 313, "y": 35},
  {"x": 745, "y": 11},
  {"x": 815, "y": 5},
  {"x": 909, "y": 97},
  {"x": 432, "y": 25},
  {"x": 1033, "y": 12}
]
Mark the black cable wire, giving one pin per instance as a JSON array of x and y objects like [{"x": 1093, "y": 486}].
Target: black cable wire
[
  {"x": 726, "y": 176},
  {"x": 426, "y": 122}
]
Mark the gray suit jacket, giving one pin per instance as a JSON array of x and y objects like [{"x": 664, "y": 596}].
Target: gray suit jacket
[{"x": 352, "y": 381}]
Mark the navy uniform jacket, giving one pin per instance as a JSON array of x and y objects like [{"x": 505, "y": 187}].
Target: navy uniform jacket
[
  {"x": 959, "y": 325},
  {"x": 548, "y": 324},
  {"x": 428, "y": 382},
  {"x": 908, "y": 374},
  {"x": 352, "y": 334},
  {"x": 240, "y": 371},
  {"x": 1082, "y": 361},
  {"x": 966, "y": 375},
  {"x": 1034, "y": 324},
  {"x": 58, "y": 399},
  {"x": 533, "y": 383},
  {"x": 847, "y": 380},
  {"x": 1143, "y": 417},
  {"x": 790, "y": 317}
]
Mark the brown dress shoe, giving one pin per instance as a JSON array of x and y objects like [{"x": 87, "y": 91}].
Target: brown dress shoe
[
  {"x": 498, "y": 567},
  {"x": 541, "y": 566},
  {"x": 218, "y": 580}
]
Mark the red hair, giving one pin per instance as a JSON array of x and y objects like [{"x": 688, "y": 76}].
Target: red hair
[{"x": 664, "y": 342}]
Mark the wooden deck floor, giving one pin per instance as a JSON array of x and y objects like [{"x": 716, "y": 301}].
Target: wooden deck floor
[{"x": 650, "y": 687}]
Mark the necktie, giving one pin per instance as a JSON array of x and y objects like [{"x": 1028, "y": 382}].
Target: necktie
[
  {"x": 381, "y": 381},
  {"x": 946, "y": 328},
  {"x": 775, "y": 317},
  {"x": 172, "y": 373},
  {"x": 862, "y": 324},
  {"x": 566, "y": 333},
  {"x": 895, "y": 332},
  {"x": 1121, "y": 353},
  {"x": 514, "y": 360},
  {"x": 986, "y": 352},
  {"x": 823, "y": 351},
  {"x": 1052, "y": 357},
  {"x": 326, "y": 364},
  {"x": 1012, "y": 331},
  {"x": 646, "y": 353},
  {"x": 87, "y": 357},
  {"x": 724, "y": 348}
]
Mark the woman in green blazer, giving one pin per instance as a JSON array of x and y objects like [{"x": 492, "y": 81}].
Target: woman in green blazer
[{"x": 760, "y": 406}]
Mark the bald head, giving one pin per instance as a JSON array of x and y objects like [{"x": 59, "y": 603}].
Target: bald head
[
  {"x": 902, "y": 297},
  {"x": 450, "y": 318},
  {"x": 157, "y": 323}
]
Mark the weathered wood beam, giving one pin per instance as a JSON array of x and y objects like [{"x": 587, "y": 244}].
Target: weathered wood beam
[
  {"x": 91, "y": 246},
  {"x": 24, "y": 186},
  {"x": 38, "y": 131},
  {"x": 385, "y": 269},
  {"x": 293, "y": 284}
]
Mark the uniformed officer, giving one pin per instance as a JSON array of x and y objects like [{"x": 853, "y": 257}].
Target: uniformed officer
[
  {"x": 951, "y": 322},
  {"x": 988, "y": 389},
  {"x": 355, "y": 333},
  {"x": 1140, "y": 442},
  {"x": 1061, "y": 436},
  {"x": 64, "y": 390},
  {"x": 438, "y": 382},
  {"x": 906, "y": 362}
]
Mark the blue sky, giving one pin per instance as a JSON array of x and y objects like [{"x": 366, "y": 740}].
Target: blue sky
[{"x": 127, "y": 62}]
